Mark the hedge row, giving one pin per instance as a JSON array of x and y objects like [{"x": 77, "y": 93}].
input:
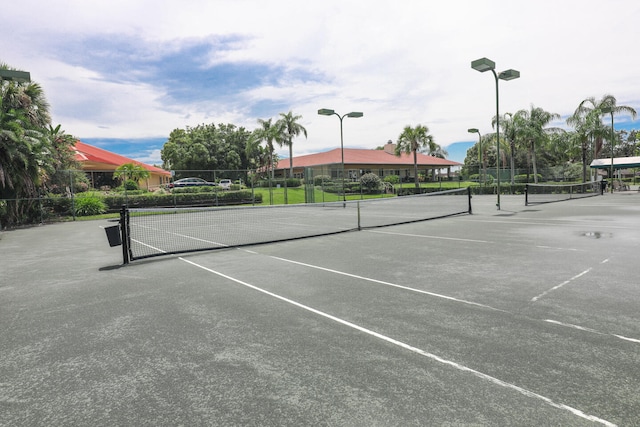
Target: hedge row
[
  {"x": 289, "y": 182},
  {"x": 60, "y": 206},
  {"x": 115, "y": 202}
]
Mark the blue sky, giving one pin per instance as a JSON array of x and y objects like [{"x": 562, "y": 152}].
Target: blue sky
[{"x": 122, "y": 74}]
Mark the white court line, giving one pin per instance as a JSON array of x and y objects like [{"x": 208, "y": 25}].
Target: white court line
[
  {"x": 536, "y": 298},
  {"x": 149, "y": 246},
  {"x": 416, "y": 350},
  {"x": 431, "y": 237},
  {"x": 368, "y": 279},
  {"x": 460, "y": 239},
  {"x": 381, "y": 282},
  {"x": 582, "y": 328},
  {"x": 567, "y": 223}
]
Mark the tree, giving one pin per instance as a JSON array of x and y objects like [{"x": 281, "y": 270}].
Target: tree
[
  {"x": 26, "y": 153},
  {"x": 206, "y": 147},
  {"x": 509, "y": 132},
  {"x": 583, "y": 133},
  {"x": 63, "y": 169},
  {"x": 411, "y": 140},
  {"x": 290, "y": 129},
  {"x": 131, "y": 171},
  {"x": 268, "y": 133},
  {"x": 587, "y": 121},
  {"x": 531, "y": 127}
]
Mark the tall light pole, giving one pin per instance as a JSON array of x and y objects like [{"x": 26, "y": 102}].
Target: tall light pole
[
  {"x": 606, "y": 110},
  {"x": 480, "y": 165},
  {"x": 482, "y": 65},
  {"x": 354, "y": 114},
  {"x": 17, "y": 76}
]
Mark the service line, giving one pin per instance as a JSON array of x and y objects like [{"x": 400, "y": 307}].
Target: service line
[
  {"x": 416, "y": 350},
  {"x": 536, "y": 298}
]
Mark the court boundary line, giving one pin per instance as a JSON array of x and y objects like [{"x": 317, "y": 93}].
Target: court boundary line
[
  {"x": 394, "y": 285},
  {"x": 449, "y": 298},
  {"x": 566, "y": 282},
  {"x": 432, "y": 356}
]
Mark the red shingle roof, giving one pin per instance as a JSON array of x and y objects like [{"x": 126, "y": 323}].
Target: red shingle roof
[
  {"x": 85, "y": 153},
  {"x": 355, "y": 156}
]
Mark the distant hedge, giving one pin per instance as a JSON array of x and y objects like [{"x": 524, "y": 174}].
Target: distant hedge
[{"x": 115, "y": 202}]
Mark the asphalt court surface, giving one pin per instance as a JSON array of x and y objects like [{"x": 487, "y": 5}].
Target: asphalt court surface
[{"x": 526, "y": 315}]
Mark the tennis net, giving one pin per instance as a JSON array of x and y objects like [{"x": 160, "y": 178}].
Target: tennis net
[
  {"x": 164, "y": 231},
  {"x": 546, "y": 193}
]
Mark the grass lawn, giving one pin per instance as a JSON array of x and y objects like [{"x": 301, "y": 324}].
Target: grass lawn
[{"x": 296, "y": 195}]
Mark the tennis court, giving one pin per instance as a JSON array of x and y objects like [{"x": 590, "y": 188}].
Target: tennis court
[{"x": 523, "y": 316}]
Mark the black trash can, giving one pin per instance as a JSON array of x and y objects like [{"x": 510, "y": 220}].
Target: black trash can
[{"x": 113, "y": 235}]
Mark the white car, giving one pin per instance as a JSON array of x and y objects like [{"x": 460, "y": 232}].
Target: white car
[
  {"x": 225, "y": 184},
  {"x": 191, "y": 182}
]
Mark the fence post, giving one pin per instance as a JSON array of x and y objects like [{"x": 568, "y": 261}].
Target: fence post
[
  {"x": 124, "y": 234},
  {"x": 73, "y": 200}
]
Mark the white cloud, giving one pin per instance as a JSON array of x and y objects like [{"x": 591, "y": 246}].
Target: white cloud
[{"x": 398, "y": 62}]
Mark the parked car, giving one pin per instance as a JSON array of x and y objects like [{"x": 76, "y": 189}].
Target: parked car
[
  {"x": 191, "y": 182},
  {"x": 225, "y": 184}
]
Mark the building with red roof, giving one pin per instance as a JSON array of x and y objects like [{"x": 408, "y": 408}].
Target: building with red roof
[
  {"x": 360, "y": 161},
  {"x": 100, "y": 164}
]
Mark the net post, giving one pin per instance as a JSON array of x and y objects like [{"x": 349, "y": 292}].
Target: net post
[
  {"x": 359, "y": 225},
  {"x": 526, "y": 194},
  {"x": 469, "y": 196},
  {"x": 124, "y": 234}
]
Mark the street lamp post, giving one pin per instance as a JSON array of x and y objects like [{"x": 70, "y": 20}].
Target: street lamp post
[
  {"x": 482, "y": 65},
  {"x": 354, "y": 114},
  {"x": 609, "y": 110},
  {"x": 17, "y": 76},
  {"x": 480, "y": 164}
]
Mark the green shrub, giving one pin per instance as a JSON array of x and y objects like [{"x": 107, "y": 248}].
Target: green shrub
[
  {"x": 130, "y": 184},
  {"x": 321, "y": 180},
  {"x": 131, "y": 192},
  {"x": 522, "y": 178},
  {"x": 197, "y": 189},
  {"x": 290, "y": 182},
  {"x": 370, "y": 182},
  {"x": 392, "y": 179},
  {"x": 56, "y": 204},
  {"x": 87, "y": 204}
]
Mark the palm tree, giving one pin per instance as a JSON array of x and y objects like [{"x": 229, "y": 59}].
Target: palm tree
[
  {"x": 131, "y": 171},
  {"x": 587, "y": 127},
  {"x": 269, "y": 133},
  {"x": 290, "y": 129},
  {"x": 587, "y": 118},
  {"x": 24, "y": 149},
  {"x": 410, "y": 141},
  {"x": 62, "y": 167},
  {"x": 532, "y": 127},
  {"x": 28, "y": 98},
  {"x": 509, "y": 132},
  {"x": 16, "y": 154}
]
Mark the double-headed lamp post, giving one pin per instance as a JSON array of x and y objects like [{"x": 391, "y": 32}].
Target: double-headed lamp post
[
  {"x": 354, "y": 114},
  {"x": 606, "y": 110},
  {"x": 482, "y": 65},
  {"x": 480, "y": 168}
]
